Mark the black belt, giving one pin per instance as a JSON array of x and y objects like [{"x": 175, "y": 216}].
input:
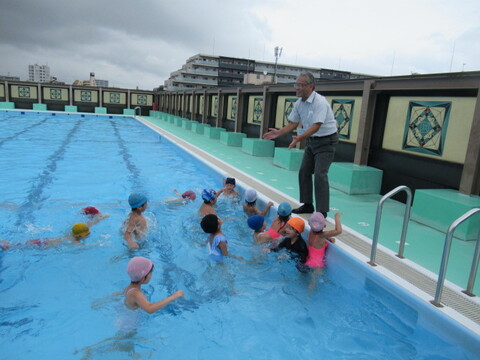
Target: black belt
[{"x": 321, "y": 137}]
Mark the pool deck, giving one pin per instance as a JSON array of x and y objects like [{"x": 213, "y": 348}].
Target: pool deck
[{"x": 418, "y": 272}]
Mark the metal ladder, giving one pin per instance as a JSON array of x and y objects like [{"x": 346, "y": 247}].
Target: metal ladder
[
  {"x": 406, "y": 218},
  {"x": 446, "y": 254}
]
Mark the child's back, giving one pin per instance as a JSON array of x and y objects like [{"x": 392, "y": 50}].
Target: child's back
[
  {"x": 135, "y": 225},
  {"x": 317, "y": 238},
  {"x": 250, "y": 201}
]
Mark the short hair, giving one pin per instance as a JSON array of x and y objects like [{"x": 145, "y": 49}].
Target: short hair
[
  {"x": 309, "y": 76},
  {"x": 209, "y": 223}
]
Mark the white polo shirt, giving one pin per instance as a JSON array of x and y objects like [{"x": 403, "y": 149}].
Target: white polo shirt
[{"x": 315, "y": 109}]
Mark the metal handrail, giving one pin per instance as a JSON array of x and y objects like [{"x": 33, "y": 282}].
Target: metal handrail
[
  {"x": 135, "y": 110},
  {"x": 406, "y": 218},
  {"x": 446, "y": 254}
]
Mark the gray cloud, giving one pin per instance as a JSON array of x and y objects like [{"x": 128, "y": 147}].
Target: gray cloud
[
  {"x": 139, "y": 43},
  {"x": 128, "y": 43}
]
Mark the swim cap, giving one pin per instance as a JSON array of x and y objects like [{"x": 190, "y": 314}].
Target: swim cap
[
  {"x": 209, "y": 223},
  {"x": 250, "y": 195},
  {"x": 80, "y": 229},
  {"x": 138, "y": 267},
  {"x": 189, "y": 194},
  {"x": 90, "y": 210},
  {"x": 230, "y": 181},
  {"x": 256, "y": 222},
  {"x": 136, "y": 200},
  {"x": 317, "y": 221},
  {"x": 208, "y": 194},
  {"x": 297, "y": 223},
  {"x": 284, "y": 209}
]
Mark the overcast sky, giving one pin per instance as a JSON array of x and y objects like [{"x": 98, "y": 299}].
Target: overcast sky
[{"x": 139, "y": 43}]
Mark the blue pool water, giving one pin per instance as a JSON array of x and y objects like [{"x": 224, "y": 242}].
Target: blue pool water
[{"x": 57, "y": 303}]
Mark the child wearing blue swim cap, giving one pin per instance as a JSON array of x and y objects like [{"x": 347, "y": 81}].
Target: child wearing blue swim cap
[
  {"x": 210, "y": 198},
  {"x": 135, "y": 225}
]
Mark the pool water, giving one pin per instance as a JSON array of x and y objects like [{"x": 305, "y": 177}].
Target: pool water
[{"x": 59, "y": 303}]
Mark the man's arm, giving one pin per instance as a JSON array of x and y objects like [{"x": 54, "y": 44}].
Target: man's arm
[
  {"x": 310, "y": 131},
  {"x": 274, "y": 133}
]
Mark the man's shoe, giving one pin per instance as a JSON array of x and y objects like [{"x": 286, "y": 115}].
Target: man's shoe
[
  {"x": 324, "y": 214},
  {"x": 304, "y": 209}
]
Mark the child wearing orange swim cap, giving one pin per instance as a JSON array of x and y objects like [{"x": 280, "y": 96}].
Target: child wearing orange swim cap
[{"x": 292, "y": 240}]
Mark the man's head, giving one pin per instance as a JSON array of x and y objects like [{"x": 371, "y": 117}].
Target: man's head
[{"x": 305, "y": 85}]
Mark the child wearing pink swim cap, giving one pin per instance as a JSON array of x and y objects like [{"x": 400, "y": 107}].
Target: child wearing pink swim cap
[
  {"x": 140, "y": 270},
  {"x": 317, "y": 242},
  {"x": 184, "y": 197}
]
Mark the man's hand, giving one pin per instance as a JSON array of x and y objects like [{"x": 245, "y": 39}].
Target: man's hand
[
  {"x": 271, "y": 134},
  {"x": 293, "y": 143}
]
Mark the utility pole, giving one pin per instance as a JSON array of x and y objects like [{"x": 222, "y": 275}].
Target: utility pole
[{"x": 278, "y": 53}]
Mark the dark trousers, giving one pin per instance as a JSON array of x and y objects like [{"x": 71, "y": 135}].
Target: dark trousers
[{"x": 317, "y": 158}]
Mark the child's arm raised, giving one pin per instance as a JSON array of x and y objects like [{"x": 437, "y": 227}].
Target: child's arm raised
[
  {"x": 97, "y": 219},
  {"x": 149, "y": 307},
  {"x": 336, "y": 231},
  {"x": 219, "y": 192},
  {"x": 267, "y": 207}
]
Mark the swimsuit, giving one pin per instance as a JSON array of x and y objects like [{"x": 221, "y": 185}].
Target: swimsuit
[
  {"x": 125, "y": 300},
  {"x": 214, "y": 250},
  {"x": 39, "y": 242},
  {"x": 274, "y": 234},
  {"x": 316, "y": 257},
  {"x": 298, "y": 248},
  {"x": 128, "y": 320}
]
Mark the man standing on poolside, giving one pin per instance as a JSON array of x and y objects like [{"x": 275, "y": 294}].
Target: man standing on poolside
[{"x": 319, "y": 127}]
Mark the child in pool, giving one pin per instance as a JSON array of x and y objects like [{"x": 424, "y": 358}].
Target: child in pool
[
  {"x": 188, "y": 195},
  {"x": 91, "y": 212},
  {"x": 217, "y": 242},
  {"x": 278, "y": 224},
  {"x": 318, "y": 244},
  {"x": 249, "y": 206},
  {"x": 79, "y": 232},
  {"x": 210, "y": 198},
  {"x": 292, "y": 240},
  {"x": 140, "y": 270},
  {"x": 317, "y": 239},
  {"x": 135, "y": 225},
  {"x": 229, "y": 188},
  {"x": 257, "y": 224}
]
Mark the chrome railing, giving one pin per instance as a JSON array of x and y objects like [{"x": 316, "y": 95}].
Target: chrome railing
[
  {"x": 406, "y": 218},
  {"x": 135, "y": 110},
  {"x": 446, "y": 253}
]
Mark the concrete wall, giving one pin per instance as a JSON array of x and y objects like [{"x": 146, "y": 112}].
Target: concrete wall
[{"x": 422, "y": 130}]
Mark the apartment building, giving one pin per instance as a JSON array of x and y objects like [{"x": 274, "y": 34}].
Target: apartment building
[
  {"x": 39, "y": 73},
  {"x": 202, "y": 71}
]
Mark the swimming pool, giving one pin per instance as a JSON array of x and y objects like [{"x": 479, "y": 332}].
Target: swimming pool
[{"x": 56, "y": 302}]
